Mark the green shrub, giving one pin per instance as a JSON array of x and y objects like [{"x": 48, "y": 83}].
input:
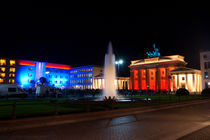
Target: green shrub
[
  {"x": 206, "y": 92},
  {"x": 182, "y": 92}
]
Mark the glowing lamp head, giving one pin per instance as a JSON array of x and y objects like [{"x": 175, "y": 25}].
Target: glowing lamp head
[
  {"x": 116, "y": 62},
  {"x": 47, "y": 72},
  {"x": 120, "y": 61}
]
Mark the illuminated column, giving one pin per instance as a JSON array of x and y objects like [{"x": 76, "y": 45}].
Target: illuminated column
[
  {"x": 159, "y": 79},
  {"x": 132, "y": 80},
  {"x": 193, "y": 84},
  {"x": 196, "y": 82},
  {"x": 147, "y": 78},
  {"x": 167, "y": 78},
  {"x": 177, "y": 81},
  {"x": 140, "y": 79},
  {"x": 186, "y": 82},
  {"x": 172, "y": 83}
]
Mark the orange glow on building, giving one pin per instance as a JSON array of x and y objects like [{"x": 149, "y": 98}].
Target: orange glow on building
[
  {"x": 154, "y": 73},
  {"x": 136, "y": 86},
  {"x": 28, "y": 63},
  {"x": 58, "y": 66},
  {"x": 12, "y": 62}
]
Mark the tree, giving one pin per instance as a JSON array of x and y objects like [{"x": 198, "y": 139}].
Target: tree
[{"x": 42, "y": 80}]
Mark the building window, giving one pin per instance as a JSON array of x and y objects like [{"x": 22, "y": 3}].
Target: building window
[
  {"x": 11, "y": 81},
  {"x": 206, "y": 75},
  {"x": 2, "y": 75},
  {"x": 1, "y": 80},
  {"x": 205, "y": 65},
  {"x": 29, "y": 74},
  {"x": 11, "y": 75},
  {"x": 183, "y": 78},
  {"x": 12, "y": 70},
  {"x": 30, "y": 69},
  {"x": 2, "y": 61},
  {"x": 12, "y": 62},
  {"x": 3, "y": 69}
]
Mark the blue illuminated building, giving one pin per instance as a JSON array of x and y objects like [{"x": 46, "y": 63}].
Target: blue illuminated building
[
  {"x": 27, "y": 73},
  {"x": 82, "y": 77}
]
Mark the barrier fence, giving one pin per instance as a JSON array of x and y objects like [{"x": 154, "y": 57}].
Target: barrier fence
[{"x": 54, "y": 107}]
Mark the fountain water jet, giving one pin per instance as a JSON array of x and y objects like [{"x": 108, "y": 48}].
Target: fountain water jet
[{"x": 109, "y": 74}]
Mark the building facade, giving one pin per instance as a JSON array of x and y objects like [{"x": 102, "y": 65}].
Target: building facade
[
  {"x": 121, "y": 83},
  {"x": 7, "y": 71},
  {"x": 27, "y": 73},
  {"x": 154, "y": 74},
  {"x": 82, "y": 77},
  {"x": 205, "y": 68},
  {"x": 187, "y": 78}
]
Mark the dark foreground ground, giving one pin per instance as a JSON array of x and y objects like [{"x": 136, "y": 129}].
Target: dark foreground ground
[{"x": 185, "y": 123}]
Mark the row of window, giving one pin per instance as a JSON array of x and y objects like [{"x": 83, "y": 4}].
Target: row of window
[
  {"x": 57, "y": 71},
  {"x": 82, "y": 70},
  {"x": 3, "y": 69},
  {"x": 82, "y": 87},
  {"x": 80, "y": 81},
  {"x": 56, "y": 76},
  {"x": 3, "y": 62},
  {"x": 11, "y": 81},
  {"x": 56, "y": 82},
  {"x": 2, "y": 75},
  {"x": 81, "y": 75}
]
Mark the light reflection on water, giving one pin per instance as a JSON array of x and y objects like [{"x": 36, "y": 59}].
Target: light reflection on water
[{"x": 119, "y": 99}]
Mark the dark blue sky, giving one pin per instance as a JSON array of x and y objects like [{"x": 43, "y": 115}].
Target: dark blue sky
[{"x": 55, "y": 35}]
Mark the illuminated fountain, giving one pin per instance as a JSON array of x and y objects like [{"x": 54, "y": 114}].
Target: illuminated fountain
[{"x": 109, "y": 90}]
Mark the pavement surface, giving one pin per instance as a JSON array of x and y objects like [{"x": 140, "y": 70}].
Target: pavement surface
[{"x": 188, "y": 122}]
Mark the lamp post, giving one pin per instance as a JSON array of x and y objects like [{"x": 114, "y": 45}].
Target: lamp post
[{"x": 119, "y": 62}]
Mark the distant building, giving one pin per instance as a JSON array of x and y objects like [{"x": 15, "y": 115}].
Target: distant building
[
  {"x": 121, "y": 83},
  {"x": 91, "y": 77},
  {"x": 187, "y": 78},
  {"x": 82, "y": 77},
  {"x": 27, "y": 73},
  {"x": 205, "y": 68},
  {"x": 7, "y": 71},
  {"x": 160, "y": 74}
]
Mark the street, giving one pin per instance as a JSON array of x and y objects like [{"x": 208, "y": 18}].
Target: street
[{"x": 183, "y": 122}]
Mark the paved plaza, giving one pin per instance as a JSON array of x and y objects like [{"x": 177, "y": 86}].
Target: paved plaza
[{"x": 184, "y": 122}]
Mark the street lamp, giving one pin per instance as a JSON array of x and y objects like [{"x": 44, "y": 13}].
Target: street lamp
[{"x": 119, "y": 62}]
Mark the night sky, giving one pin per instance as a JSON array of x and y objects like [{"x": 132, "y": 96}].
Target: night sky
[{"x": 55, "y": 35}]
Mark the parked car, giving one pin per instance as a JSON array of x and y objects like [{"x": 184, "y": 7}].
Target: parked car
[{"x": 11, "y": 90}]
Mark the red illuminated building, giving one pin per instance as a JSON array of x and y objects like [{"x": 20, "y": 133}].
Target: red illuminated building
[{"x": 154, "y": 73}]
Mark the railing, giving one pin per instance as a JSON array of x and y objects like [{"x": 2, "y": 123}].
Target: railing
[{"x": 89, "y": 105}]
